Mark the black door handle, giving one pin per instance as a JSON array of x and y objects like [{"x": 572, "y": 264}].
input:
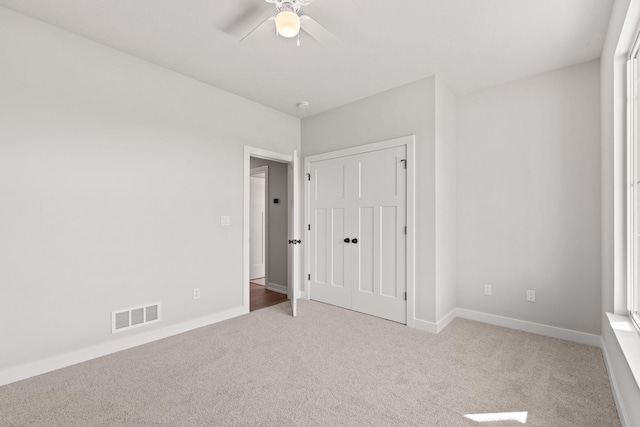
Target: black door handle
[
  {"x": 347, "y": 240},
  {"x": 354, "y": 240},
  {"x": 294, "y": 242}
]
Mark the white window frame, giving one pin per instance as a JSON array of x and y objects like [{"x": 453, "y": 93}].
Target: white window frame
[{"x": 633, "y": 180}]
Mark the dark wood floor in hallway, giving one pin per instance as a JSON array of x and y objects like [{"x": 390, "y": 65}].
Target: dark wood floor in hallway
[{"x": 261, "y": 297}]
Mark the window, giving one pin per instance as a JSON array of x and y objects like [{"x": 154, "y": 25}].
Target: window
[{"x": 633, "y": 177}]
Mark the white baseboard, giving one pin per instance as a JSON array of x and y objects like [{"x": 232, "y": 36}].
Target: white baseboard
[
  {"x": 622, "y": 413},
  {"x": 437, "y": 327},
  {"x": 32, "y": 369},
  {"x": 448, "y": 318},
  {"x": 424, "y": 325},
  {"x": 534, "y": 328},
  {"x": 278, "y": 288}
]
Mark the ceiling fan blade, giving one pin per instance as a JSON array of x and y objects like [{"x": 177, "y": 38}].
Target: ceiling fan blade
[
  {"x": 318, "y": 32},
  {"x": 245, "y": 14},
  {"x": 268, "y": 25}
]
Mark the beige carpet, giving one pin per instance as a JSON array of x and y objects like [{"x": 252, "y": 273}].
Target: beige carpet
[{"x": 328, "y": 367}]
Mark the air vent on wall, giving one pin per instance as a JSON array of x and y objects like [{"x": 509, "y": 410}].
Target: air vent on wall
[{"x": 122, "y": 320}]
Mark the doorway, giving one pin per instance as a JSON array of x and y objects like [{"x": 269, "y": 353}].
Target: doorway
[
  {"x": 280, "y": 280},
  {"x": 268, "y": 269}
]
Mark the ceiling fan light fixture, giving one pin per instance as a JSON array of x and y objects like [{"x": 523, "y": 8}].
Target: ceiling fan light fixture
[{"x": 287, "y": 23}]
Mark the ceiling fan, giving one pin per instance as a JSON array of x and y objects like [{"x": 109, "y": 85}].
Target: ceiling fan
[{"x": 287, "y": 23}]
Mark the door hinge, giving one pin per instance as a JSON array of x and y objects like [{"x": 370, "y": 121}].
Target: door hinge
[
  {"x": 308, "y": 177},
  {"x": 405, "y": 296},
  {"x": 405, "y": 229},
  {"x": 309, "y": 277},
  {"x": 405, "y": 162},
  {"x": 309, "y": 227}
]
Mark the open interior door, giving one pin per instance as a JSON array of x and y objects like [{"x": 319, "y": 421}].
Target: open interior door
[{"x": 295, "y": 243}]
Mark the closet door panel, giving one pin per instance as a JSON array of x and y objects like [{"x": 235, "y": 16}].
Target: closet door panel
[
  {"x": 389, "y": 251},
  {"x": 365, "y": 251},
  {"x": 330, "y": 274},
  {"x": 321, "y": 266},
  {"x": 380, "y": 188},
  {"x": 337, "y": 254}
]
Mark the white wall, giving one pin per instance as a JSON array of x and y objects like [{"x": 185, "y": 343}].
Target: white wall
[
  {"x": 278, "y": 227},
  {"x": 445, "y": 204},
  {"x": 529, "y": 199},
  {"x": 113, "y": 176},
  {"x": 624, "y": 21},
  {"x": 405, "y": 110}
]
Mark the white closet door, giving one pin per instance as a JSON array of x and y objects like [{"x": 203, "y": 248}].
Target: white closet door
[
  {"x": 330, "y": 225},
  {"x": 378, "y": 259},
  {"x": 361, "y": 197}
]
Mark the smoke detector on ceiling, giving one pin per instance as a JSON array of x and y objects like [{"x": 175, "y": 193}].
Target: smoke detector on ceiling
[{"x": 303, "y": 105}]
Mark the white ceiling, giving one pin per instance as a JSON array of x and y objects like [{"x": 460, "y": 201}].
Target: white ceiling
[{"x": 471, "y": 44}]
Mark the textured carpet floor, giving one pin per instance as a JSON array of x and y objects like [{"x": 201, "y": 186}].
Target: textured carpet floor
[{"x": 327, "y": 367}]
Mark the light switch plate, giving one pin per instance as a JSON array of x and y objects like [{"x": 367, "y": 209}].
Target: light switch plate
[{"x": 225, "y": 220}]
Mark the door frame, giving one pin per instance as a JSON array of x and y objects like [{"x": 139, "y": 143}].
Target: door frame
[
  {"x": 406, "y": 141},
  {"x": 267, "y": 155},
  {"x": 252, "y": 172}
]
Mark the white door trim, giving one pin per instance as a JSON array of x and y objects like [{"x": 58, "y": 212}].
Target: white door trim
[
  {"x": 261, "y": 154},
  {"x": 409, "y": 143}
]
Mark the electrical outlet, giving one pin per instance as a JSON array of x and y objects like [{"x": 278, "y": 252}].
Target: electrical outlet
[
  {"x": 487, "y": 289},
  {"x": 531, "y": 296},
  {"x": 196, "y": 293}
]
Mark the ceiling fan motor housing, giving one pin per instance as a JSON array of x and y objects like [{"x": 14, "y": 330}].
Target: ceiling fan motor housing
[{"x": 288, "y": 5}]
